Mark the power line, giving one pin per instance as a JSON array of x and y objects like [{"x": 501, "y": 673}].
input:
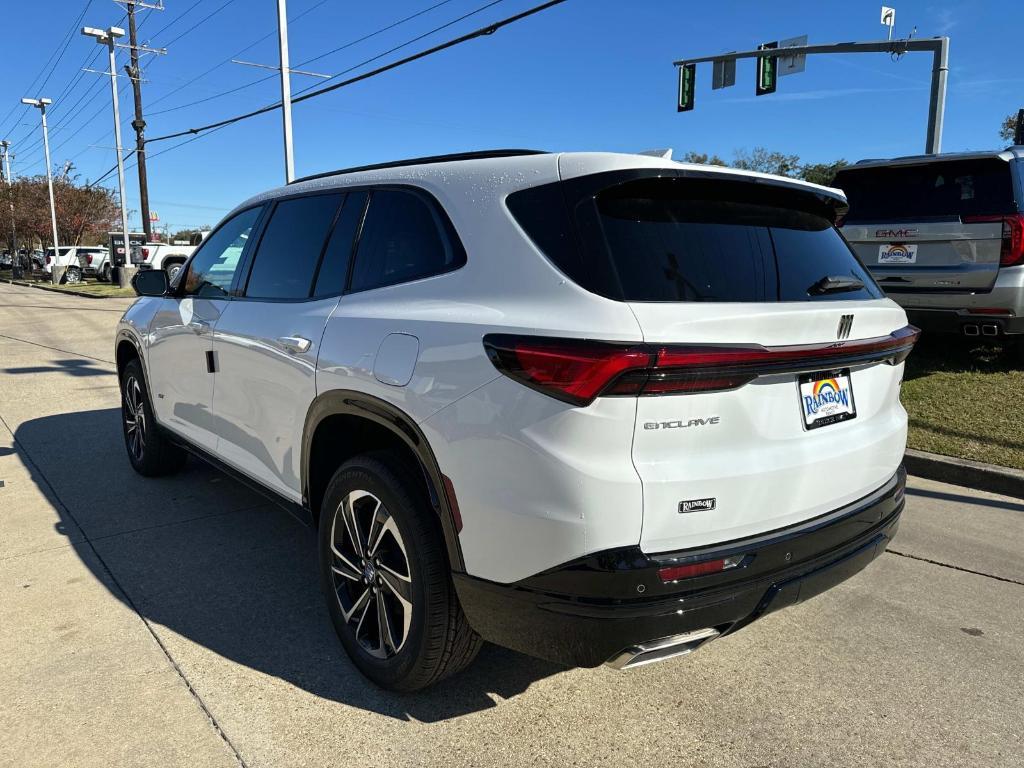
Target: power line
[
  {"x": 315, "y": 58},
  {"x": 63, "y": 47},
  {"x": 481, "y": 32},
  {"x": 234, "y": 55}
]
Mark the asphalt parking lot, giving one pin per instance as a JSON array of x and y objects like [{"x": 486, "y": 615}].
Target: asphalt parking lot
[{"x": 178, "y": 622}]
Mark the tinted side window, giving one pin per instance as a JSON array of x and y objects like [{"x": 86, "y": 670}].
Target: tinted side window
[
  {"x": 403, "y": 239},
  {"x": 213, "y": 267},
  {"x": 334, "y": 267},
  {"x": 290, "y": 247}
]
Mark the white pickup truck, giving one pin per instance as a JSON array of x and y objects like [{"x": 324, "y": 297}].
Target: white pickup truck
[{"x": 165, "y": 256}]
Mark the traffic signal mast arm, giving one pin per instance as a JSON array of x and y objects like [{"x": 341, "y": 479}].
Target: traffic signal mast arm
[{"x": 938, "y": 46}]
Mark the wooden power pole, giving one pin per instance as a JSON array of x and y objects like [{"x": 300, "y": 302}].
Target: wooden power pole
[{"x": 139, "y": 124}]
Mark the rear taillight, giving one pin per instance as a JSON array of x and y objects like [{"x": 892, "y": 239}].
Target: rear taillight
[
  {"x": 88, "y": 258},
  {"x": 1012, "y": 252},
  {"x": 145, "y": 253},
  {"x": 49, "y": 259},
  {"x": 578, "y": 370}
]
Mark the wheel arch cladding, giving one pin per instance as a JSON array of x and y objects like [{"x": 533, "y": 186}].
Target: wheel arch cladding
[
  {"x": 341, "y": 424},
  {"x": 125, "y": 350}
]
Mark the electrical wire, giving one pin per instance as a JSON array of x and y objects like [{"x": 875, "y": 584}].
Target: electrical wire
[
  {"x": 316, "y": 58},
  {"x": 197, "y": 133},
  {"x": 490, "y": 29}
]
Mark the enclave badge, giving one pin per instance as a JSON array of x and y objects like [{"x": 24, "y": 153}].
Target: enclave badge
[{"x": 697, "y": 505}]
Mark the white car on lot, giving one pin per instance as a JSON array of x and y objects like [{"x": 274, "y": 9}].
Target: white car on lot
[
  {"x": 165, "y": 256},
  {"x": 599, "y": 408},
  {"x": 77, "y": 260}
]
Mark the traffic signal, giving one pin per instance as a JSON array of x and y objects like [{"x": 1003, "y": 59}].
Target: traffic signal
[
  {"x": 767, "y": 70},
  {"x": 687, "y": 83}
]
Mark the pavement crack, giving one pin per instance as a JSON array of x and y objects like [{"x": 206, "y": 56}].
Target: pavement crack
[
  {"x": 36, "y": 469},
  {"x": 955, "y": 567},
  {"x": 57, "y": 349}
]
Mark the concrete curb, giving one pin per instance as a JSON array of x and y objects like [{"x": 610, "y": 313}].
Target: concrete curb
[
  {"x": 64, "y": 291},
  {"x": 972, "y": 474}
]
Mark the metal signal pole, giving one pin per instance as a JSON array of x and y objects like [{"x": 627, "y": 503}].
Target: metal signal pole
[
  {"x": 286, "y": 91},
  {"x": 56, "y": 273}
]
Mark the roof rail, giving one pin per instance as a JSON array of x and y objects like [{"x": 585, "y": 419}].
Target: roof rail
[{"x": 478, "y": 155}]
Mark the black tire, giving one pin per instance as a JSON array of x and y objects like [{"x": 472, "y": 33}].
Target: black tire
[
  {"x": 72, "y": 276},
  {"x": 439, "y": 641},
  {"x": 173, "y": 269},
  {"x": 149, "y": 452},
  {"x": 105, "y": 274}
]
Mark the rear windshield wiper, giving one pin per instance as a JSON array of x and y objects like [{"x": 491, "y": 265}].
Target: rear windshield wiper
[{"x": 835, "y": 284}]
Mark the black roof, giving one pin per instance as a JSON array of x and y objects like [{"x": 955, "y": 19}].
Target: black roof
[{"x": 478, "y": 155}]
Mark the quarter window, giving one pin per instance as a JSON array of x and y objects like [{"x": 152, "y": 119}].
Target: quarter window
[
  {"x": 289, "y": 250},
  {"x": 334, "y": 267},
  {"x": 213, "y": 267},
  {"x": 403, "y": 239}
]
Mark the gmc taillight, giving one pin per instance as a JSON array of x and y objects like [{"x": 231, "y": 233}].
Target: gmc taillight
[
  {"x": 1011, "y": 254},
  {"x": 577, "y": 371},
  {"x": 145, "y": 253},
  {"x": 49, "y": 259},
  {"x": 88, "y": 258}
]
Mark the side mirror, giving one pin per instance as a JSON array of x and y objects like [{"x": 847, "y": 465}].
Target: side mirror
[{"x": 150, "y": 282}]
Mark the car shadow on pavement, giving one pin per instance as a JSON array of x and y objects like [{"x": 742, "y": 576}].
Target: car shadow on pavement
[
  {"x": 220, "y": 567},
  {"x": 72, "y": 367}
]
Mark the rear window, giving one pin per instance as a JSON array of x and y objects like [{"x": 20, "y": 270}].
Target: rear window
[
  {"x": 921, "y": 192},
  {"x": 670, "y": 239}
]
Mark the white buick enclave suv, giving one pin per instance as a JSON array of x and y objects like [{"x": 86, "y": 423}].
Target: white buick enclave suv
[{"x": 598, "y": 408}]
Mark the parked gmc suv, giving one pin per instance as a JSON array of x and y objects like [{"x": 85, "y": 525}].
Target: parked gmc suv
[
  {"x": 944, "y": 236},
  {"x": 599, "y": 408}
]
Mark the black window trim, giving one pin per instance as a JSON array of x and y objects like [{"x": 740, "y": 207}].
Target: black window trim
[
  {"x": 239, "y": 291},
  {"x": 179, "y": 291},
  {"x": 446, "y": 228}
]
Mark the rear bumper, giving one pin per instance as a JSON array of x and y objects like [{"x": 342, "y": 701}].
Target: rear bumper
[{"x": 592, "y": 610}]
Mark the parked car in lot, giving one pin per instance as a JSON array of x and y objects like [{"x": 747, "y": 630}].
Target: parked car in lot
[
  {"x": 94, "y": 261},
  {"x": 67, "y": 257},
  {"x": 598, "y": 408},
  {"x": 165, "y": 256},
  {"x": 944, "y": 236}
]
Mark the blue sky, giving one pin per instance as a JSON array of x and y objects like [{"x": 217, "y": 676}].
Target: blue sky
[{"x": 589, "y": 74}]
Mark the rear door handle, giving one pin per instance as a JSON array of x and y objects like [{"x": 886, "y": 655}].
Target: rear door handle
[{"x": 297, "y": 345}]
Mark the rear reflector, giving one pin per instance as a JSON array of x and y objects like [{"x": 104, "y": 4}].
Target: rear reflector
[
  {"x": 1012, "y": 252},
  {"x": 677, "y": 572},
  {"x": 578, "y": 370}
]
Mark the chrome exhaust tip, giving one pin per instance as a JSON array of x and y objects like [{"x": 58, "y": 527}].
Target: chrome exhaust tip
[
  {"x": 971, "y": 330},
  {"x": 990, "y": 329},
  {"x": 664, "y": 648}
]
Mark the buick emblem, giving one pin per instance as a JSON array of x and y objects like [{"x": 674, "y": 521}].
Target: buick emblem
[{"x": 845, "y": 326}]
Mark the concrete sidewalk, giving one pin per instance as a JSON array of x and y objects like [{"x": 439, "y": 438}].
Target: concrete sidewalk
[{"x": 178, "y": 622}]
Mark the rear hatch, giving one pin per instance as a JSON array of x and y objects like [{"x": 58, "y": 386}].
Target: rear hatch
[
  {"x": 772, "y": 395},
  {"x": 936, "y": 226}
]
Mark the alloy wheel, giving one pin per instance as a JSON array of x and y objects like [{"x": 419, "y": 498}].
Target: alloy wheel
[
  {"x": 371, "y": 575},
  {"x": 134, "y": 418}
]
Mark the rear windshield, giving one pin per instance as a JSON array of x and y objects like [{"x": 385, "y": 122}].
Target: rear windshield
[
  {"x": 921, "y": 192},
  {"x": 688, "y": 240}
]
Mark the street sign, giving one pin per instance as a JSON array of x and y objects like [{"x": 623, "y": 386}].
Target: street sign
[
  {"x": 723, "y": 73},
  {"x": 767, "y": 70},
  {"x": 791, "y": 65},
  {"x": 687, "y": 82},
  {"x": 888, "y": 16}
]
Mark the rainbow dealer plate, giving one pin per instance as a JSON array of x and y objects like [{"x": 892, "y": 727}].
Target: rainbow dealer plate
[{"x": 826, "y": 397}]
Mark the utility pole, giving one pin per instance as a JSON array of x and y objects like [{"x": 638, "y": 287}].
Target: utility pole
[
  {"x": 139, "y": 124},
  {"x": 286, "y": 91},
  {"x": 56, "y": 273},
  {"x": 108, "y": 38},
  {"x": 5, "y": 147}
]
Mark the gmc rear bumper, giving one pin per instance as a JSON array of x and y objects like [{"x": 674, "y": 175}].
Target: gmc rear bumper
[
  {"x": 609, "y": 605},
  {"x": 964, "y": 321}
]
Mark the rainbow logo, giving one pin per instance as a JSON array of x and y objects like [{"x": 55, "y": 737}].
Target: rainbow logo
[
  {"x": 896, "y": 253},
  {"x": 827, "y": 394}
]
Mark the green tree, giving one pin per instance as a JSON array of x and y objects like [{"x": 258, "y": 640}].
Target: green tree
[
  {"x": 702, "y": 158},
  {"x": 1009, "y": 128},
  {"x": 84, "y": 214},
  {"x": 821, "y": 173},
  {"x": 765, "y": 161}
]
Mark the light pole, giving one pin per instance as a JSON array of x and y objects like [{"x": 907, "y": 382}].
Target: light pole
[
  {"x": 56, "y": 273},
  {"x": 5, "y": 147},
  {"x": 107, "y": 37},
  {"x": 286, "y": 91}
]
